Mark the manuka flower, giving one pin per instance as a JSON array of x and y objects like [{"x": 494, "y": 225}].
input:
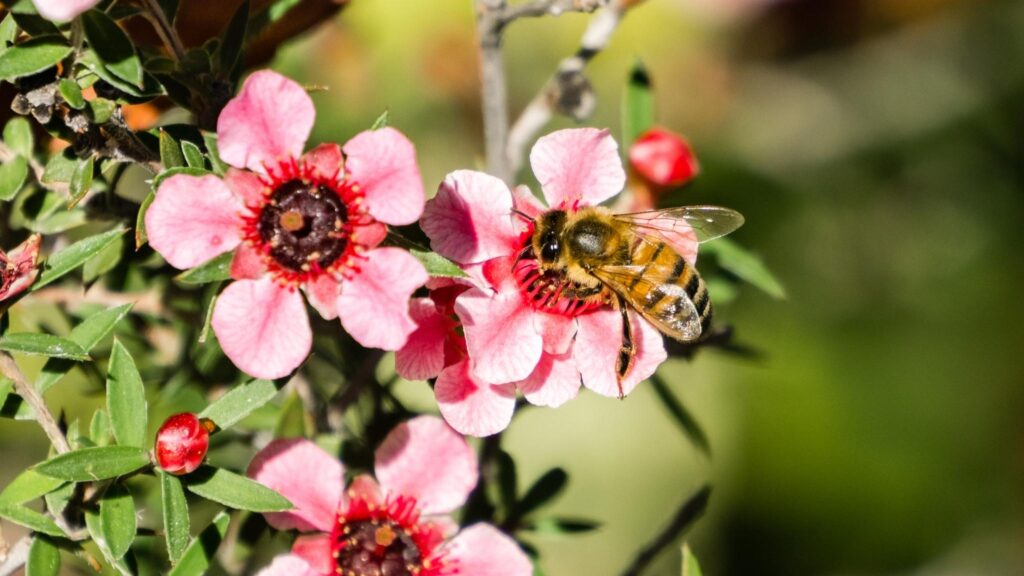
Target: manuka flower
[
  {"x": 515, "y": 333},
  {"x": 18, "y": 268},
  {"x": 312, "y": 221},
  {"x": 396, "y": 525}
]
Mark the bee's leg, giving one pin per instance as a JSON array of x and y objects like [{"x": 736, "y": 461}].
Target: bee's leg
[{"x": 627, "y": 352}]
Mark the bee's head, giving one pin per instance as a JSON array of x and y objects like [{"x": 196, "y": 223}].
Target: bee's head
[{"x": 547, "y": 236}]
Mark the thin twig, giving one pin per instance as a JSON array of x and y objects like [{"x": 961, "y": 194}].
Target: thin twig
[
  {"x": 537, "y": 8},
  {"x": 691, "y": 509},
  {"x": 28, "y": 392},
  {"x": 493, "y": 91},
  {"x": 568, "y": 90},
  {"x": 16, "y": 557},
  {"x": 164, "y": 29}
]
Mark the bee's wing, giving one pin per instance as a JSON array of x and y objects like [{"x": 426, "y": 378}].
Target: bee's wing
[
  {"x": 665, "y": 305},
  {"x": 680, "y": 226}
]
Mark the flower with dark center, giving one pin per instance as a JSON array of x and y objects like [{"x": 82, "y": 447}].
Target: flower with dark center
[
  {"x": 394, "y": 525},
  {"x": 311, "y": 222}
]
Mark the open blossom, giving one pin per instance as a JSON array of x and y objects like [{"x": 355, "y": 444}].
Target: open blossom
[
  {"x": 311, "y": 221},
  {"x": 62, "y": 10},
  {"x": 512, "y": 341},
  {"x": 394, "y": 525},
  {"x": 18, "y": 268}
]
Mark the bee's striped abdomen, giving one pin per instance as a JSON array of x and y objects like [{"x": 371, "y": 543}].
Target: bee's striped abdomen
[{"x": 666, "y": 285}]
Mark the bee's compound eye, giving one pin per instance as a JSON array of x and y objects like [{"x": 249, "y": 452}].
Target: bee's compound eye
[{"x": 550, "y": 249}]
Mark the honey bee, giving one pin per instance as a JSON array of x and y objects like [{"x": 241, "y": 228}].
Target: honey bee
[{"x": 593, "y": 257}]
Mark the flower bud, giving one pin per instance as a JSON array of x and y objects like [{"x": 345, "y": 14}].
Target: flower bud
[
  {"x": 18, "y": 268},
  {"x": 663, "y": 158},
  {"x": 181, "y": 443}
]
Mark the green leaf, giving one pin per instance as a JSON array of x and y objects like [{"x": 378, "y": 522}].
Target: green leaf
[
  {"x": 240, "y": 402},
  {"x": 690, "y": 565},
  {"x": 637, "y": 105},
  {"x": 99, "y": 463},
  {"x": 104, "y": 262},
  {"x": 66, "y": 260},
  {"x": 37, "y": 344},
  {"x": 546, "y": 488},
  {"x": 81, "y": 181},
  {"x": 126, "y": 398},
  {"x": 216, "y": 269},
  {"x": 112, "y": 46},
  {"x": 27, "y": 486},
  {"x": 59, "y": 499},
  {"x": 193, "y": 155},
  {"x": 18, "y": 136},
  {"x": 99, "y": 428},
  {"x": 170, "y": 151},
  {"x": 101, "y": 109},
  {"x": 294, "y": 421},
  {"x": 562, "y": 526},
  {"x": 59, "y": 168},
  {"x": 72, "y": 93},
  {"x": 30, "y": 519},
  {"x": 12, "y": 177},
  {"x": 87, "y": 335},
  {"x": 382, "y": 120},
  {"x": 219, "y": 166},
  {"x": 43, "y": 558},
  {"x": 141, "y": 237},
  {"x": 680, "y": 415},
  {"x": 230, "y": 49},
  {"x": 438, "y": 265},
  {"x": 235, "y": 491},
  {"x": 34, "y": 55},
  {"x": 199, "y": 555},
  {"x": 176, "y": 520},
  {"x": 745, "y": 265},
  {"x": 113, "y": 526},
  {"x": 8, "y": 32}
]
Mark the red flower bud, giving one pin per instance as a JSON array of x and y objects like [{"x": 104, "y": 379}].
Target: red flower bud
[
  {"x": 181, "y": 443},
  {"x": 663, "y": 158}
]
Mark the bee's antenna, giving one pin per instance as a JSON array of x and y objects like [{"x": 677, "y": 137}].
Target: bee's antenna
[{"x": 522, "y": 214}]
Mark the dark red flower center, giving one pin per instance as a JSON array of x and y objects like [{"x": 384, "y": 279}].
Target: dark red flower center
[
  {"x": 377, "y": 548},
  {"x": 304, "y": 224}
]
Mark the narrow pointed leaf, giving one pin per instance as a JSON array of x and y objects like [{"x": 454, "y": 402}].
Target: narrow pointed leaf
[
  {"x": 176, "y": 520},
  {"x": 112, "y": 46},
  {"x": 30, "y": 519},
  {"x": 240, "y": 402},
  {"x": 745, "y": 265},
  {"x": 545, "y": 489},
  {"x": 126, "y": 398},
  {"x": 113, "y": 526},
  {"x": 72, "y": 93},
  {"x": 28, "y": 486},
  {"x": 141, "y": 237},
  {"x": 32, "y": 56},
  {"x": 99, "y": 463},
  {"x": 81, "y": 181},
  {"x": 193, "y": 156},
  {"x": 235, "y": 491},
  {"x": 13, "y": 174},
  {"x": 216, "y": 269},
  {"x": 37, "y": 344},
  {"x": 87, "y": 335},
  {"x": 690, "y": 565},
  {"x": 637, "y": 105},
  {"x": 66, "y": 260},
  {"x": 438, "y": 265},
  {"x": 170, "y": 151},
  {"x": 199, "y": 555},
  {"x": 382, "y": 120},
  {"x": 43, "y": 558},
  {"x": 681, "y": 416}
]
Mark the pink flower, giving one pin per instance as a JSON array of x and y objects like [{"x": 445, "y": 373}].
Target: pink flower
[
  {"x": 18, "y": 268},
  {"x": 62, "y": 10},
  {"x": 312, "y": 221},
  {"x": 396, "y": 524},
  {"x": 520, "y": 333}
]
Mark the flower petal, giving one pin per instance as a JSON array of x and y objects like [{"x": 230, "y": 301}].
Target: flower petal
[
  {"x": 557, "y": 330},
  {"x": 578, "y": 165},
  {"x": 470, "y": 218},
  {"x": 500, "y": 334},
  {"x": 364, "y": 487},
  {"x": 429, "y": 461},
  {"x": 555, "y": 381},
  {"x": 374, "y": 304},
  {"x": 473, "y": 407},
  {"x": 369, "y": 235},
  {"x": 247, "y": 186},
  {"x": 422, "y": 356},
  {"x": 383, "y": 163},
  {"x": 62, "y": 10},
  {"x": 597, "y": 346},
  {"x": 325, "y": 160},
  {"x": 268, "y": 122},
  {"x": 315, "y": 549},
  {"x": 288, "y": 565},
  {"x": 322, "y": 294},
  {"x": 193, "y": 219},
  {"x": 526, "y": 202},
  {"x": 247, "y": 263},
  {"x": 22, "y": 267},
  {"x": 483, "y": 550},
  {"x": 313, "y": 480},
  {"x": 262, "y": 327}
]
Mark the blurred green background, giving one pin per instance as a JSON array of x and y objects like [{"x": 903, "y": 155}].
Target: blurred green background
[{"x": 875, "y": 148}]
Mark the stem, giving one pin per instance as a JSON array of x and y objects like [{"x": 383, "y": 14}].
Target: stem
[
  {"x": 691, "y": 509},
  {"x": 28, "y": 392},
  {"x": 164, "y": 29},
  {"x": 494, "y": 93},
  {"x": 16, "y": 557}
]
